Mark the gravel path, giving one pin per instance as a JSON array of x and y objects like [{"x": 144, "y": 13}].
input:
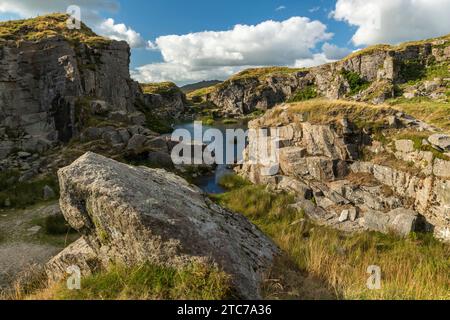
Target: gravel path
[{"x": 23, "y": 242}]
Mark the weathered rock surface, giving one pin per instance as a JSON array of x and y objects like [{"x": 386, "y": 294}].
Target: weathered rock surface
[
  {"x": 400, "y": 221},
  {"x": 59, "y": 89},
  {"x": 135, "y": 214},
  {"x": 319, "y": 162},
  {"x": 381, "y": 68}
]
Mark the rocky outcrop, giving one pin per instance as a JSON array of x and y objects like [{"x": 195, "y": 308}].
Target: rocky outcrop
[
  {"x": 369, "y": 75},
  {"x": 131, "y": 215},
  {"x": 46, "y": 85},
  {"x": 399, "y": 186},
  {"x": 72, "y": 86}
]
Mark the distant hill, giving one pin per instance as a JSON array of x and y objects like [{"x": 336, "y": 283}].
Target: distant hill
[{"x": 199, "y": 85}]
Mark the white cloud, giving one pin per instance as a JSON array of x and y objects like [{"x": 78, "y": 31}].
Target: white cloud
[
  {"x": 280, "y": 8},
  {"x": 314, "y": 9},
  {"x": 214, "y": 54},
  {"x": 181, "y": 74},
  {"x": 269, "y": 42},
  {"x": 121, "y": 32},
  {"x": 334, "y": 52},
  {"x": 394, "y": 21},
  {"x": 89, "y": 14},
  {"x": 316, "y": 60}
]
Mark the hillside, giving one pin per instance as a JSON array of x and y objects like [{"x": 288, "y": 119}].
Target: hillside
[
  {"x": 399, "y": 75},
  {"x": 88, "y": 177},
  {"x": 199, "y": 85},
  {"x": 45, "y": 27}
]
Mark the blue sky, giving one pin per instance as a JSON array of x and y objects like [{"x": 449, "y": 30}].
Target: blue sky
[
  {"x": 161, "y": 17},
  {"x": 169, "y": 39}
]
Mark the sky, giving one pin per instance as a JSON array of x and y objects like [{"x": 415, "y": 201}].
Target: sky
[{"x": 191, "y": 41}]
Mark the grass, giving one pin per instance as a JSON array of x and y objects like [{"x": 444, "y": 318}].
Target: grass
[
  {"x": 232, "y": 181},
  {"x": 56, "y": 225},
  {"x": 412, "y": 70},
  {"x": 412, "y": 268},
  {"x": 417, "y": 138},
  {"x": 433, "y": 112},
  {"x": 147, "y": 282},
  {"x": 153, "y": 121},
  {"x": 385, "y": 47},
  {"x": 259, "y": 74},
  {"x": 162, "y": 88},
  {"x": 49, "y": 26},
  {"x": 328, "y": 111},
  {"x": 304, "y": 94},
  {"x": 230, "y": 121},
  {"x": 198, "y": 95},
  {"x": 24, "y": 194}
]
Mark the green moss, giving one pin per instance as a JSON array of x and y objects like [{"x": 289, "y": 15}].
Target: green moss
[
  {"x": 24, "y": 194},
  {"x": 308, "y": 93},
  {"x": 101, "y": 232},
  {"x": 151, "y": 282},
  {"x": 356, "y": 83}
]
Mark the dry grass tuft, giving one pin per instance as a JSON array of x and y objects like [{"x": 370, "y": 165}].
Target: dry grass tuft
[{"x": 413, "y": 268}]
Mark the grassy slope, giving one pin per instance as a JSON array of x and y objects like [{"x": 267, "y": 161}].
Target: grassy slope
[
  {"x": 159, "y": 88},
  {"x": 413, "y": 268},
  {"x": 199, "y": 85},
  {"x": 45, "y": 27},
  {"x": 433, "y": 112}
]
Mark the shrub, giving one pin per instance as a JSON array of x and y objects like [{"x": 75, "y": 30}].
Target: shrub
[
  {"x": 412, "y": 70},
  {"x": 208, "y": 121},
  {"x": 356, "y": 83},
  {"x": 307, "y": 93},
  {"x": 153, "y": 121}
]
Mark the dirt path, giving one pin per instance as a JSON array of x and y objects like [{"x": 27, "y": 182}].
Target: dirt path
[{"x": 23, "y": 242}]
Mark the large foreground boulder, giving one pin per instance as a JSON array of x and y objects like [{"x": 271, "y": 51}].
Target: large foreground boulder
[{"x": 130, "y": 215}]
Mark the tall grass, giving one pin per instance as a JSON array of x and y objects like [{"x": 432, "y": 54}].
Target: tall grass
[
  {"x": 414, "y": 268},
  {"x": 147, "y": 282}
]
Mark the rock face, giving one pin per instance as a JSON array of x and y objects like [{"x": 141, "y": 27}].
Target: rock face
[
  {"x": 71, "y": 86},
  {"x": 396, "y": 188},
  {"x": 45, "y": 84},
  {"x": 378, "y": 68},
  {"x": 53, "y": 88},
  {"x": 134, "y": 214}
]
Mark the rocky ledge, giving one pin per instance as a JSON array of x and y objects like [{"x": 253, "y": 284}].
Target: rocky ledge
[
  {"x": 129, "y": 215},
  {"x": 344, "y": 177}
]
